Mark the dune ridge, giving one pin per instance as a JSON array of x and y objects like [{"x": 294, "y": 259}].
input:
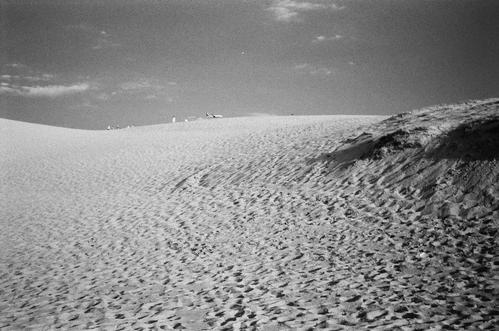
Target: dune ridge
[{"x": 275, "y": 223}]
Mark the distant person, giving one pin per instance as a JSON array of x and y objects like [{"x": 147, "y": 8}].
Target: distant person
[{"x": 173, "y": 119}]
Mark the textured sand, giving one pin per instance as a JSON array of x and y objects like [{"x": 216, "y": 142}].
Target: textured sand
[{"x": 270, "y": 223}]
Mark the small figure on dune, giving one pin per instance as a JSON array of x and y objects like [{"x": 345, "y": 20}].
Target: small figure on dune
[
  {"x": 173, "y": 119},
  {"x": 211, "y": 115}
]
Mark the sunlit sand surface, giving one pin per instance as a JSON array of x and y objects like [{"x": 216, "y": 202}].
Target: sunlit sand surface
[{"x": 265, "y": 223}]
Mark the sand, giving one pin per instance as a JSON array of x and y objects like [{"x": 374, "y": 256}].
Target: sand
[{"x": 261, "y": 223}]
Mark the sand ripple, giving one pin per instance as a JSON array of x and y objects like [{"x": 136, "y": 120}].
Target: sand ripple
[{"x": 240, "y": 224}]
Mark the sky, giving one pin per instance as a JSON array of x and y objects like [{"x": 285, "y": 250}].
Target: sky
[{"x": 93, "y": 63}]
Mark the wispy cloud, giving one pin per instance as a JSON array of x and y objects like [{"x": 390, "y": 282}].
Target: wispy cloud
[
  {"x": 140, "y": 86},
  {"x": 15, "y": 65},
  {"x": 289, "y": 10},
  {"x": 21, "y": 74},
  {"x": 307, "y": 68},
  {"x": 143, "y": 88},
  {"x": 321, "y": 39},
  {"x": 101, "y": 39},
  {"x": 104, "y": 41},
  {"x": 50, "y": 91},
  {"x": 29, "y": 78},
  {"x": 21, "y": 80}
]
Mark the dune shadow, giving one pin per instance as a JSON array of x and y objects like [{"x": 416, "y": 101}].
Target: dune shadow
[
  {"x": 477, "y": 140},
  {"x": 365, "y": 147}
]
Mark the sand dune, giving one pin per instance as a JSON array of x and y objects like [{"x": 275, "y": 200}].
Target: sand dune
[{"x": 265, "y": 223}]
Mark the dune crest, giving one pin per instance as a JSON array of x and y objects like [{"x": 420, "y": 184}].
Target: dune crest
[
  {"x": 275, "y": 223},
  {"x": 447, "y": 154}
]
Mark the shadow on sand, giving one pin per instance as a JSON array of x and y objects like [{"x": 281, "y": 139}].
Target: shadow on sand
[
  {"x": 365, "y": 147},
  {"x": 477, "y": 140}
]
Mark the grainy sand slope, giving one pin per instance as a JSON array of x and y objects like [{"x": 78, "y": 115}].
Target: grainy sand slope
[{"x": 337, "y": 222}]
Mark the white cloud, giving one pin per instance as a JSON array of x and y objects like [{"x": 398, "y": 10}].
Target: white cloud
[
  {"x": 141, "y": 86},
  {"x": 51, "y": 91},
  {"x": 4, "y": 89},
  {"x": 56, "y": 90},
  {"x": 15, "y": 65},
  {"x": 38, "y": 78},
  {"x": 21, "y": 74},
  {"x": 307, "y": 68},
  {"x": 322, "y": 71},
  {"x": 289, "y": 10},
  {"x": 29, "y": 78},
  {"x": 144, "y": 85},
  {"x": 320, "y": 39}
]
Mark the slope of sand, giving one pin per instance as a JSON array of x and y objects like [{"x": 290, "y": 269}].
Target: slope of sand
[{"x": 271, "y": 223}]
